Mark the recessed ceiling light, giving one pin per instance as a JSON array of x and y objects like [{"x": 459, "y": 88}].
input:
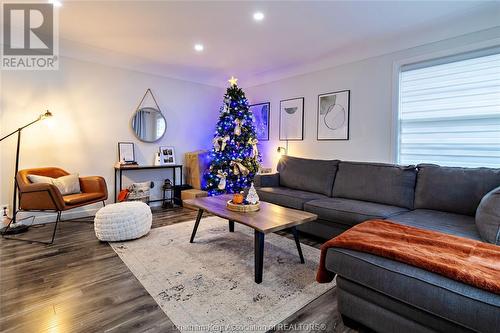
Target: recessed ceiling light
[
  {"x": 258, "y": 16},
  {"x": 56, "y": 3},
  {"x": 198, "y": 47}
]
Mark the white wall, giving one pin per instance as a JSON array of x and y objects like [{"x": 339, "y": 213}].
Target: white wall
[
  {"x": 371, "y": 111},
  {"x": 92, "y": 106}
]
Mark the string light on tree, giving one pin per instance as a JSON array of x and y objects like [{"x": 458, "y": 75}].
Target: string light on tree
[{"x": 235, "y": 157}]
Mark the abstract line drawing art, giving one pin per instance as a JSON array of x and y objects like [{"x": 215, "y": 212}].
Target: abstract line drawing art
[
  {"x": 261, "y": 120},
  {"x": 333, "y": 115},
  {"x": 292, "y": 119}
]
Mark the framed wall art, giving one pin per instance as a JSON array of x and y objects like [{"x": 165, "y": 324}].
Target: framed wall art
[
  {"x": 333, "y": 115},
  {"x": 167, "y": 155},
  {"x": 126, "y": 152},
  {"x": 261, "y": 113},
  {"x": 292, "y": 119}
]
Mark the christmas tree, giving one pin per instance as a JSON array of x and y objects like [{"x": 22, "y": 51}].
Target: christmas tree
[{"x": 235, "y": 157}]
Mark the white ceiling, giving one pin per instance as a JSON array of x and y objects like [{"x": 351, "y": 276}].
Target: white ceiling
[{"x": 294, "y": 37}]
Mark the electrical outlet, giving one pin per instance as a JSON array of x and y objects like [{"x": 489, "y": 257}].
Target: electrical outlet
[{"x": 4, "y": 208}]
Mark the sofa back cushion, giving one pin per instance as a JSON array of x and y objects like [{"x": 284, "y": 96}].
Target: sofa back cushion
[
  {"x": 307, "y": 175},
  {"x": 454, "y": 190},
  {"x": 376, "y": 182}
]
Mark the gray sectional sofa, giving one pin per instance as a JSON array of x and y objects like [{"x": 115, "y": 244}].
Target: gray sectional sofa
[{"x": 379, "y": 293}]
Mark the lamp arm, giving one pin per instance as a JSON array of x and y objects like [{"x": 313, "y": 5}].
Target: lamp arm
[
  {"x": 20, "y": 129},
  {"x": 5, "y": 137}
]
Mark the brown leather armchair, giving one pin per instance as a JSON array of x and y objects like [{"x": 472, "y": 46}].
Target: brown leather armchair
[{"x": 47, "y": 197}]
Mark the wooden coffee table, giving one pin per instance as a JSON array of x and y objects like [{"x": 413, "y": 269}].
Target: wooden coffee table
[{"x": 269, "y": 218}]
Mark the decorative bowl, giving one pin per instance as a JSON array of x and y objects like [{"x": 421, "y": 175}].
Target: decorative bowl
[{"x": 242, "y": 208}]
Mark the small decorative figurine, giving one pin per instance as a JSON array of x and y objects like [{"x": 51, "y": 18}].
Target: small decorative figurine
[{"x": 252, "y": 196}]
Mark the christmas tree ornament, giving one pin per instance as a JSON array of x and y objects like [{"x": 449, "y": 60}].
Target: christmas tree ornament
[
  {"x": 224, "y": 142},
  {"x": 239, "y": 168},
  {"x": 216, "y": 142},
  {"x": 255, "y": 151},
  {"x": 222, "y": 182},
  {"x": 237, "y": 128},
  {"x": 252, "y": 196},
  {"x": 236, "y": 170}
]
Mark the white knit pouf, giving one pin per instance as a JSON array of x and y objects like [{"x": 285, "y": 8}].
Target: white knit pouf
[{"x": 122, "y": 221}]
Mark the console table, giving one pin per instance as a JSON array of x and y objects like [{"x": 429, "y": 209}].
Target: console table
[{"x": 121, "y": 169}]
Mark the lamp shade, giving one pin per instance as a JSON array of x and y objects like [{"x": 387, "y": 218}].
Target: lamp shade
[
  {"x": 281, "y": 150},
  {"x": 45, "y": 115}
]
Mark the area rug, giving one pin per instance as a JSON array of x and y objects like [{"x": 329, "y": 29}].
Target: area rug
[{"x": 209, "y": 285}]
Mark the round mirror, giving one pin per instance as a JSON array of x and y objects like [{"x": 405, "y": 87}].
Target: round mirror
[{"x": 148, "y": 124}]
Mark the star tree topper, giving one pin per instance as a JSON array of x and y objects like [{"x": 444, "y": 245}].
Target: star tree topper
[{"x": 233, "y": 81}]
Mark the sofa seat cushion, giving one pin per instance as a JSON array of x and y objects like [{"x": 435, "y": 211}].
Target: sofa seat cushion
[
  {"x": 350, "y": 212},
  {"x": 75, "y": 199},
  {"x": 463, "y": 304},
  {"x": 449, "y": 223},
  {"x": 287, "y": 197}
]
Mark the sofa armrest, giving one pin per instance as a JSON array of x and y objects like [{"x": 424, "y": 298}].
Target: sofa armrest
[
  {"x": 267, "y": 180},
  {"x": 40, "y": 196},
  {"x": 94, "y": 184}
]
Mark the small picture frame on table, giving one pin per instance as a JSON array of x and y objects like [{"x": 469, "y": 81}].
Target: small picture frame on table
[
  {"x": 126, "y": 152},
  {"x": 167, "y": 155}
]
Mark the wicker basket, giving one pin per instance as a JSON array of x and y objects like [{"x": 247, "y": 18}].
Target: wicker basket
[{"x": 242, "y": 208}]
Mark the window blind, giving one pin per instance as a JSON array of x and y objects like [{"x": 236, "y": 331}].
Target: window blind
[{"x": 449, "y": 112}]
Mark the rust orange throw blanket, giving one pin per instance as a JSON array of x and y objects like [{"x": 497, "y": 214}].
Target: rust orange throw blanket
[{"x": 465, "y": 260}]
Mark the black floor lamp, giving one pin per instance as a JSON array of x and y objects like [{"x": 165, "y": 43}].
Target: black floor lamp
[{"x": 18, "y": 228}]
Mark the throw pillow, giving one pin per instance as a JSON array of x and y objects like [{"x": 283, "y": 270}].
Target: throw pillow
[
  {"x": 69, "y": 184},
  {"x": 40, "y": 179},
  {"x": 488, "y": 217}
]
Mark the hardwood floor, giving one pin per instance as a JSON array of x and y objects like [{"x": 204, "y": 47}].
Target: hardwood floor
[{"x": 79, "y": 284}]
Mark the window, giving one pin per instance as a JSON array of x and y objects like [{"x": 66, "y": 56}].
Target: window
[
  {"x": 160, "y": 127},
  {"x": 449, "y": 111}
]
